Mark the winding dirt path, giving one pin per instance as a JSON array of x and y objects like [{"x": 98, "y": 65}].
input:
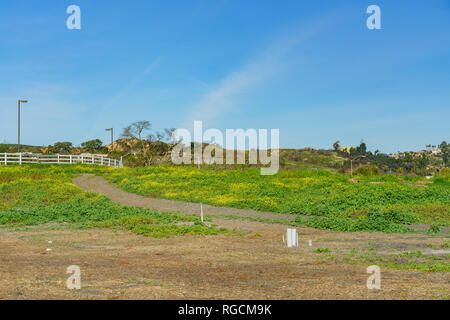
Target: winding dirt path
[{"x": 100, "y": 185}]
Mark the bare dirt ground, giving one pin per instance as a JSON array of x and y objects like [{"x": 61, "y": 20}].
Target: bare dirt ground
[{"x": 122, "y": 265}]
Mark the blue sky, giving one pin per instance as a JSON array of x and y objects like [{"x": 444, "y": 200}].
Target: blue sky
[{"x": 309, "y": 68}]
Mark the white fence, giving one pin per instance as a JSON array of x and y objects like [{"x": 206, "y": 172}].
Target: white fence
[{"x": 22, "y": 158}]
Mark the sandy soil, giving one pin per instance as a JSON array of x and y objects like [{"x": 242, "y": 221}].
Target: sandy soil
[{"x": 121, "y": 265}]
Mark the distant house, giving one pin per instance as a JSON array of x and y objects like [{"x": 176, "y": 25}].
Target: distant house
[{"x": 436, "y": 151}]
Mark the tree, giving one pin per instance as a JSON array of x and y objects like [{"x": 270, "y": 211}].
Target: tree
[
  {"x": 135, "y": 131},
  {"x": 424, "y": 161},
  {"x": 151, "y": 150},
  {"x": 408, "y": 157},
  {"x": 61, "y": 147},
  {"x": 336, "y": 145},
  {"x": 445, "y": 152},
  {"x": 169, "y": 134},
  {"x": 362, "y": 149},
  {"x": 92, "y": 145}
]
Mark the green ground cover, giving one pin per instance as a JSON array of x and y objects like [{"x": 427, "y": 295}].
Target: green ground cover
[
  {"x": 321, "y": 199},
  {"x": 329, "y": 200},
  {"x": 33, "y": 195}
]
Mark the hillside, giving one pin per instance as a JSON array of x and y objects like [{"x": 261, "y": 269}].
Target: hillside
[{"x": 137, "y": 152}]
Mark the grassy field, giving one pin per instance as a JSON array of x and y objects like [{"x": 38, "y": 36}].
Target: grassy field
[
  {"x": 40, "y": 203},
  {"x": 320, "y": 198},
  {"x": 33, "y": 195},
  {"x": 330, "y": 200}
]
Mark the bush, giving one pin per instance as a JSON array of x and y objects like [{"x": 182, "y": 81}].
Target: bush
[
  {"x": 367, "y": 171},
  {"x": 93, "y": 145}
]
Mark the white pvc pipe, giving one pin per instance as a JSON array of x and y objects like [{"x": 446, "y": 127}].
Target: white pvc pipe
[{"x": 291, "y": 238}]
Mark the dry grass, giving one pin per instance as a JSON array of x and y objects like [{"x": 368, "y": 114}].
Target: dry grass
[{"x": 121, "y": 265}]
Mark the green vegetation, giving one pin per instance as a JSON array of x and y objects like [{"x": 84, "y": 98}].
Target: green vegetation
[
  {"x": 321, "y": 250},
  {"x": 443, "y": 245},
  {"x": 33, "y": 195},
  {"x": 434, "y": 228},
  {"x": 39, "y": 194},
  {"x": 329, "y": 200},
  {"x": 410, "y": 260},
  {"x": 161, "y": 225}
]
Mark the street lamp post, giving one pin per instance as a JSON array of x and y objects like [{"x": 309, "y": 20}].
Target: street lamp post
[
  {"x": 18, "y": 120},
  {"x": 112, "y": 137}
]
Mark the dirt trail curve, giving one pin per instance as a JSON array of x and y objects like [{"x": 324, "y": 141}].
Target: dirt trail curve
[{"x": 100, "y": 185}]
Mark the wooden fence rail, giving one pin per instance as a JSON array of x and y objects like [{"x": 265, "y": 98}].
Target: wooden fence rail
[{"x": 23, "y": 158}]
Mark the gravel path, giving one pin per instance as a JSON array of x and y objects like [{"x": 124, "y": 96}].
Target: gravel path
[{"x": 100, "y": 185}]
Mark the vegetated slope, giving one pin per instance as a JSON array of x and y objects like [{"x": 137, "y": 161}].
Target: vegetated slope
[
  {"x": 332, "y": 200},
  {"x": 310, "y": 159},
  {"x": 289, "y": 158},
  {"x": 31, "y": 195},
  {"x": 12, "y": 148}
]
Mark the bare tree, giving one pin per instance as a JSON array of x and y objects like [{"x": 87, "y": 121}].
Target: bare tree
[
  {"x": 153, "y": 148},
  {"x": 135, "y": 131},
  {"x": 169, "y": 134},
  {"x": 159, "y": 136}
]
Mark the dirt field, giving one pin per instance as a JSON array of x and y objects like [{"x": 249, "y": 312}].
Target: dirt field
[{"x": 121, "y": 265}]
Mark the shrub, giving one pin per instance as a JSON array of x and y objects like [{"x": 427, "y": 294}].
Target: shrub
[{"x": 367, "y": 170}]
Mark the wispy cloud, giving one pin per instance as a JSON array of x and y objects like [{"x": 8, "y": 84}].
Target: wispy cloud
[
  {"x": 271, "y": 61},
  {"x": 130, "y": 85}
]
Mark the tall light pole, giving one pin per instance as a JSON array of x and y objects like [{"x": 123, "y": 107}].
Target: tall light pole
[
  {"x": 112, "y": 137},
  {"x": 18, "y": 127},
  {"x": 351, "y": 164}
]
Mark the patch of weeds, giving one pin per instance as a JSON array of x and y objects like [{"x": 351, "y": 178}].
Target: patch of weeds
[
  {"x": 321, "y": 250},
  {"x": 434, "y": 258},
  {"x": 369, "y": 223},
  {"x": 444, "y": 245},
  {"x": 410, "y": 260},
  {"x": 158, "y": 225},
  {"x": 435, "y": 228},
  {"x": 438, "y": 267},
  {"x": 412, "y": 253}
]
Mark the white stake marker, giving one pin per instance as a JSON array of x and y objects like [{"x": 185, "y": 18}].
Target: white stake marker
[
  {"x": 201, "y": 211},
  {"x": 291, "y": 238}
]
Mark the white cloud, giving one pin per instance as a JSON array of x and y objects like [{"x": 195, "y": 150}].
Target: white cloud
[
  {"x": 132, "y": 83},
  {"x": 270, "y": 62}
]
